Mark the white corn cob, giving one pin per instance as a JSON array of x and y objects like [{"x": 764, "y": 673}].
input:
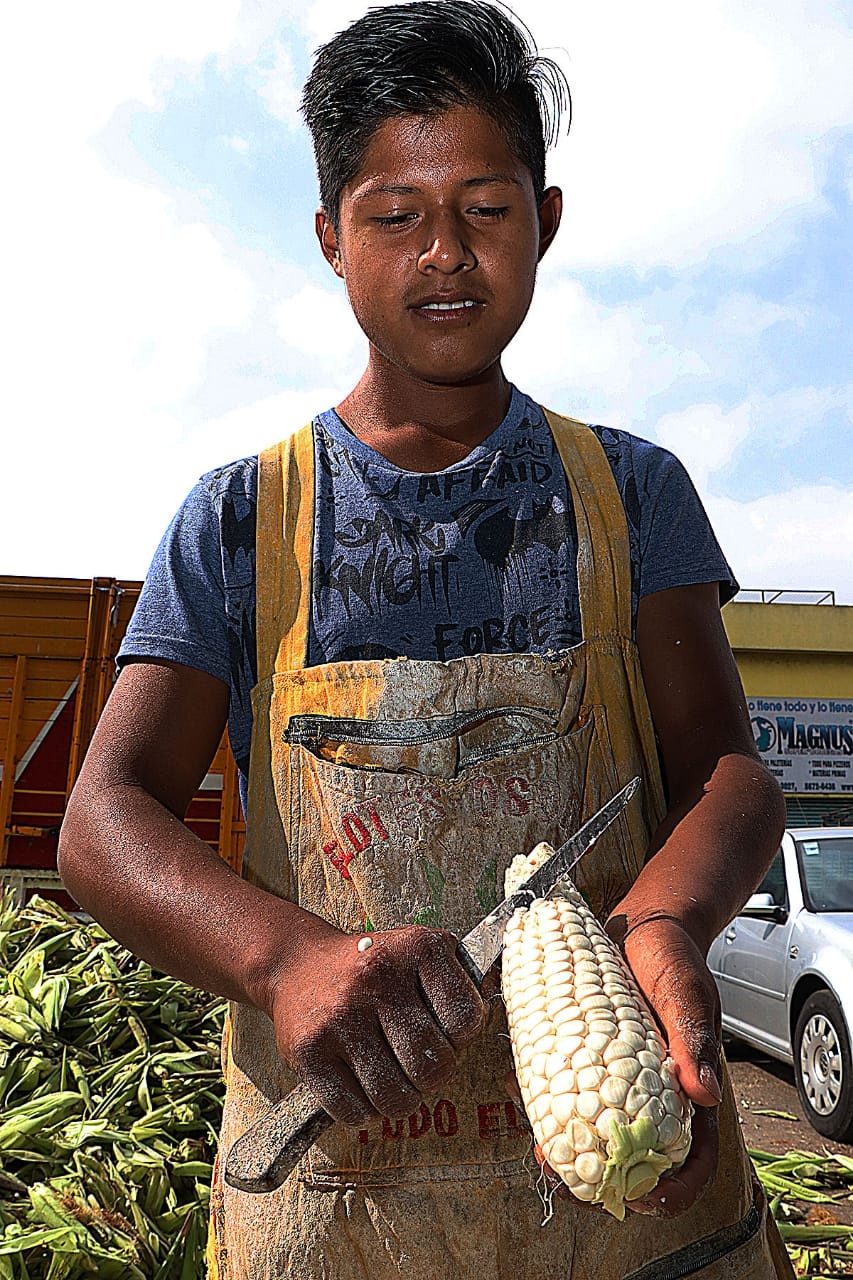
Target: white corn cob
[{"x": 598, "y": 1086}]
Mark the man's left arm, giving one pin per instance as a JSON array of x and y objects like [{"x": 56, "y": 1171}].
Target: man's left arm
[{"x": 723, "y": 825}]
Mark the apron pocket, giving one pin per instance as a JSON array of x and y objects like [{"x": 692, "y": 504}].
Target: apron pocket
[
  {"x": 376, "y": 848},
  {"x": 443, "y": 746}
]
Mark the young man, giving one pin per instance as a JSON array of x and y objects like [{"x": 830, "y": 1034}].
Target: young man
[{"x": 463, "y": 625}]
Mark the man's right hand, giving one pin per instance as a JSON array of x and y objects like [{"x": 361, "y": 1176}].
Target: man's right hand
[
  {"x": 367, "y": 1030},
  {"x": 371, "y": 1030}
]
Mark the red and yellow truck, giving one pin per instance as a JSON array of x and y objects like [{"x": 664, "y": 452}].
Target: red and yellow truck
[{"x": 58, "y": 641}]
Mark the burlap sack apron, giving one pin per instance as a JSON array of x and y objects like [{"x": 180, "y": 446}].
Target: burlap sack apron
[{"x": 384, "y": 793}]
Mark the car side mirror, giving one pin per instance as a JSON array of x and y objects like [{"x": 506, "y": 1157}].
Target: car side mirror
[{"x": 760, "y": 906}]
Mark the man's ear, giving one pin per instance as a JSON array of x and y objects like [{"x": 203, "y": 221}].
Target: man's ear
[
  {"x": 550, "y": 213},
  {"x": 328, "y": 241}
]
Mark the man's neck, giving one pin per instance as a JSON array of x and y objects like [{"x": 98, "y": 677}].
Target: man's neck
[{"x": 424, "y": 426}]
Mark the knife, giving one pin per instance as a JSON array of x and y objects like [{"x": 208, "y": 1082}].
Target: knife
[{"x": 261, "y": 1159}]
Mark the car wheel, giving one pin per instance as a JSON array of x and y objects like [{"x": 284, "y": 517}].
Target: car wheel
[{"x": 823, "y": 1067}]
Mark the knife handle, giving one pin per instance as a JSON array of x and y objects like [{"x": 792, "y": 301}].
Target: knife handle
[{"x": 261, "y": 1158}]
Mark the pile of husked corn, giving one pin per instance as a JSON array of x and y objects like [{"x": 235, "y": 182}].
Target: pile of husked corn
[{"x": 598, "y": 1086}]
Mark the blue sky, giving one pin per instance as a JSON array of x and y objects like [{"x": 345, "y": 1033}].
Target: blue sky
[{"x": 168, "y": 309}]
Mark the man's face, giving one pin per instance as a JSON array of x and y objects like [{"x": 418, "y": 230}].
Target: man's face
[{"x": 439, "y": 239}]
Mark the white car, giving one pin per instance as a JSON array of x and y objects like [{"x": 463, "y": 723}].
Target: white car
[{"x": 784, "y": 969}]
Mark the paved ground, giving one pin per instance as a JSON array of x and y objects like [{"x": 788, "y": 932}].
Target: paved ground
[{"x": 761, "y": 1083}]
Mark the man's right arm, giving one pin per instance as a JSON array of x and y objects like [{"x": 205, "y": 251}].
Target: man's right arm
[{"x": 384, "y": 1025}]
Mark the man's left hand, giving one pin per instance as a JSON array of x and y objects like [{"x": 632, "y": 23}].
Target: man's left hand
[{"x": 673, "y": 976}]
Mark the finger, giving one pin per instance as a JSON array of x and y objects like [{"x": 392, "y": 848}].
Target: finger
[
  {"x": 382, "y": 1079},
  {"x": 337, "y": 1089},
  {"x": 491, "y": 988},
  {"x": 687, "y": 1004},
  {"x": 512, "y": 1088},
  {"x": 676, "y": 1192},
  {"x": 449, "y": 992},
  {"x": 423, "y": 1051},
  {"x": 691, "y": 1018},
  {"x": 695, "y": 1049}
]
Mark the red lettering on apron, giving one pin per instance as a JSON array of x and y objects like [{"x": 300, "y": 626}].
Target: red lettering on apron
[
  {"x": 339, "y": 858},
  {"x": 500, "y": 1120},
  {"x": 445, "y": 1119},
  {"x": 420, "y": 1123},
  {"x": 430, "y": 800},
  {"x": 489, "y": 1120},
  {"x": 517, "y": 789},
  {"x": 487, "y": 795},
  {"x": 406, "y": 816},
  {"x": 355, "y": 831},
  {"x": 514, "y": 1122},
  {"x": 373, "y": 814}
]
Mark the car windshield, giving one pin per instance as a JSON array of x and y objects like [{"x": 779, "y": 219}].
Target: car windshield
[{"x": 826, "y": 872}]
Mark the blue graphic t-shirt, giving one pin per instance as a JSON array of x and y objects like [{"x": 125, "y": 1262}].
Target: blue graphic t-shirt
[{"x": 480, "y": 557}]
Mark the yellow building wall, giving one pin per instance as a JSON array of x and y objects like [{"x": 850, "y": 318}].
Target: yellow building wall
[
  {"x": 792, "y": 650},
  {"x": 798, "y": 652}
]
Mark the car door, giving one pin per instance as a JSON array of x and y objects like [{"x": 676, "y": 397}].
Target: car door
[{"x": 750, "y": 962}]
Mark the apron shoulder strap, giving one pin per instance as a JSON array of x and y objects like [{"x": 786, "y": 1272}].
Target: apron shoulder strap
[
  {"x": 285, "y": 522},
  {"x": 604, "y": 552}
]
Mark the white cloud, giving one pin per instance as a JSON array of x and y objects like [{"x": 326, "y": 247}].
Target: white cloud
[
  {"x": 111, "y": 304},
  {"x": 742, "y": 315},
  {"x": 279, "y": 89},
  {"x": 325, "y": 18},
  {"x": 319, "y": 324},
  {"x": 119, "y": 299},
  {"x": 105, "y": 499},
  {"x": 694, "y": 127},
  {"x": 236, "y": 143},
  {"x": 246, "y": 430},
  {"x": 799, "y": 539},
  {"x": 792, "y": 416},
  {"x": 592, "y": 359},
  {"x": 704, "y": 437},
  {"x": 85, "y": 60}
]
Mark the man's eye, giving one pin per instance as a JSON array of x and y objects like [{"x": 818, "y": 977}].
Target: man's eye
[
  {"x": 490, "y": 211},
  {"x": 393, "y": 219}
]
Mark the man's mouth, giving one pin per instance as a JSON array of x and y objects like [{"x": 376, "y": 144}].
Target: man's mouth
[{"x": 447, "y": 306}]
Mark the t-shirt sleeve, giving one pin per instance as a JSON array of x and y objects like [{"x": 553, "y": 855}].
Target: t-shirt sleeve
[
  {"x": 180, "y": 615},
  {"x": 677, "y": 546}
]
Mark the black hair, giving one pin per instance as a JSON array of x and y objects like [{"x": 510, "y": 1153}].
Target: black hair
[{"x": 422, "y": 58}]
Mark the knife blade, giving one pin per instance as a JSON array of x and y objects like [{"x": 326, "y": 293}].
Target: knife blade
[
  {"x": 261, "y": 1158},
  {"x": 480, "y": 948}
]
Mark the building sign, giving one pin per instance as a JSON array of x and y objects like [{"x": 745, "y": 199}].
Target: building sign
[{"x": 807, "y": 743}]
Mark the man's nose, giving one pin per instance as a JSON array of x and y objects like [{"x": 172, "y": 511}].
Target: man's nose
[{"x": 449, "y": 250}]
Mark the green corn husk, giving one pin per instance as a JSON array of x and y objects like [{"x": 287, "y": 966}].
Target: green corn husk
[
  {"x": 110, "y": 1102},
  {"x": 818, "y": 1250}
]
